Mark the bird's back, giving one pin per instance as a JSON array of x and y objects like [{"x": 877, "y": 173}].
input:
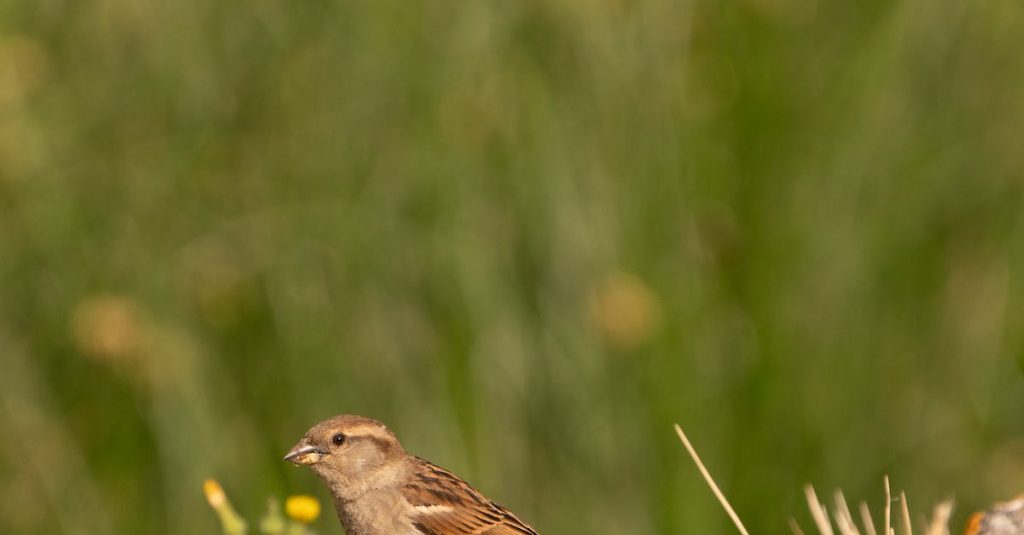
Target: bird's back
[{"x": 446, "y": 505}]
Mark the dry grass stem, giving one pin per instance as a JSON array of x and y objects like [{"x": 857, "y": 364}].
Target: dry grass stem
[
  {"x": 940, "y": 519},
  {"x": 888, "y": 508},
  {"x": 711, "y": 482},
  {"x": 818, "y": 511},
  {"x": 794, "y": 527},
  {"x": 908, "y": 529},
  {"x": 844, "y": 520},
  {"x": 866, "y": 520}
]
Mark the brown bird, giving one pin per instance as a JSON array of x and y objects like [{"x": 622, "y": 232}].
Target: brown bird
[{"x": 379, "y": 489}]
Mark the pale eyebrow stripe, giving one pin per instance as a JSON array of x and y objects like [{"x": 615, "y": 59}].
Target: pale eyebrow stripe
[
  {"x": 368, "y": 430},
  {"x": 382, "y": 440}
]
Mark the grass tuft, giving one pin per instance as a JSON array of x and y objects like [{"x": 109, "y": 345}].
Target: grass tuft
[{"x": 841, "y": 518}]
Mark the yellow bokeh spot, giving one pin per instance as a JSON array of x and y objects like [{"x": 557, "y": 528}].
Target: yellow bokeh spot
[
  {"x": 108, "y": 328},
  {"x": 302, "y": 508},
  {"x": 625, "y": 310}
]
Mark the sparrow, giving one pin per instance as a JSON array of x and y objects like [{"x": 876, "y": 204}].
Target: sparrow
[{"x": 379, "y": 489}]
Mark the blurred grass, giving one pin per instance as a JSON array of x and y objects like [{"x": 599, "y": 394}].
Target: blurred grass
[{"x": 527, "y": 235}]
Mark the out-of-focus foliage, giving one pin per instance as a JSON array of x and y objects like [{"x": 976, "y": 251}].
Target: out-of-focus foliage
[{"x": 529, "y": 235}]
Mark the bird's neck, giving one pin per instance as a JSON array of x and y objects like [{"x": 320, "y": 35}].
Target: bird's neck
[{"x": 373, "y": 504}]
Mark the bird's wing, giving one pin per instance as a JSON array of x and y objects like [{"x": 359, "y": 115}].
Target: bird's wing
[{"x": 444, "y": 504}]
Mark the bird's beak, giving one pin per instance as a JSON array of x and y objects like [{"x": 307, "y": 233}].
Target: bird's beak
[{"x": 303, "y": 453}]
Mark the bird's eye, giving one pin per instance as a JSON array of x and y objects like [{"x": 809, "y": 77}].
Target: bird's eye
[{"x": 338, "y": 439}]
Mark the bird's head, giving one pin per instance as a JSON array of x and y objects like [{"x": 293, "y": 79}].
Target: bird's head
[{"x": 346, "y": 448}]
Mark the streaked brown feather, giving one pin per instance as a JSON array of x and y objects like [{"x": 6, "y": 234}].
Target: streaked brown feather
[{"x": 433, "y": 488}]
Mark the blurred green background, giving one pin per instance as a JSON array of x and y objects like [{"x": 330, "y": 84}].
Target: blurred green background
[{"x": 528, "y": 235}]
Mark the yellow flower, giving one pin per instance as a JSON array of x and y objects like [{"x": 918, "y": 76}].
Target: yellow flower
[
  {"x": 302, "y": 508},
  {"x": 214, "y": 493},
  {"x": 230, "y": 522}
]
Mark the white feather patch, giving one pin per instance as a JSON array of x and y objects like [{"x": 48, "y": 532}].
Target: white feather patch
[{"x": 432, "y": 509}]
